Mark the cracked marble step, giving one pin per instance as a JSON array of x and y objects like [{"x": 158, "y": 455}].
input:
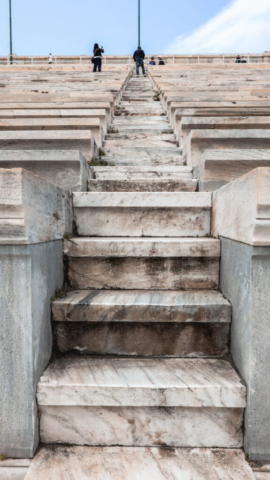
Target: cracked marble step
[
  {"x": 169, "y": 402},
  {"x": 143, "y": 129},
  {"x": 142, "y": 185},
  {"x": 144, "y": 158},
  {"x": 134, "y": 173},
  {"x": 130, "y": 140},
  {"x": 143, "y": 263},
  {"x": 138, "y": 214},
  {"x": 138, "y": 323},
  {"x": 122, "y": 463}
]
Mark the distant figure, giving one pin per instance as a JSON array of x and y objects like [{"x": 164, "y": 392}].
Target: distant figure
[
  {"x": 238, "y": 59},
  {"x": 97, "y": 59},
  {"x": 152, "y": 61},
  {"x": 243, "y": 60},
  {"x": 161, "y": 61},
  {"x": 50, "y": 59},
  {"x": 138, "y": 57}
]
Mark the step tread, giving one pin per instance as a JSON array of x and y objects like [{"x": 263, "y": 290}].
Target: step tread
[
  {"x": 142, "y": 200},
  {"x": 114, "y": 184},
  {"x": 134, "y": 463},
  {"x": 142, "y": 247},
  {"x": 160, "y": 382},
  {"x": 143, "y": 306}
]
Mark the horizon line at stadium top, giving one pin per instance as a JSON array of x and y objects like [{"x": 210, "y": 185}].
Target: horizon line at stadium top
[{"x": 222, "y": 58}]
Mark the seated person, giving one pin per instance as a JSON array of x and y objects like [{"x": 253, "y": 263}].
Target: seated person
[
  {"x": 161, "y": 61},
  {"x": 238, "y": 59},
  {"x": 243, "y": 60},
  {"x": 152, "y": 61}
]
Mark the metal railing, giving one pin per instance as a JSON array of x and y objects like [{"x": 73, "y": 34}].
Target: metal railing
[{"x": 83, "y": 60}]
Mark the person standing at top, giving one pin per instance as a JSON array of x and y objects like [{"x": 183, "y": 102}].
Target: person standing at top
[
  {"x": 50, "y": 59},
  {"x": 152, "y": 61},
  {"x": 97, "y": 59},
  {"x": 138, "y": 57}
]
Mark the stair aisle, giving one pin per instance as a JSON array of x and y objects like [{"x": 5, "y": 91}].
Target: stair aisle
[{"x": 139, "y": 387}]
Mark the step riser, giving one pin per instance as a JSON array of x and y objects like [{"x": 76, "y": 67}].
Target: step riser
[
  {"x": 143, "y": 339},
  {"x": 144, "y": 273},
  {"x": 174, "y": 427},
  {"x": 141, "y": 186},
  {"x": 155, "y": 160},
  {"x": 141, "y": 222}
]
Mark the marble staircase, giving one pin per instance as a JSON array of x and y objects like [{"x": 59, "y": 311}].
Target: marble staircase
[{"x": 140, "y": 385}]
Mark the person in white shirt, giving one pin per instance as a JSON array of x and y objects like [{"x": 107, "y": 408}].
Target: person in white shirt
[{"x": 50, "y": 59}]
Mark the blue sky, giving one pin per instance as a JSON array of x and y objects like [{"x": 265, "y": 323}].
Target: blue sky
[{"x": 176, "y": 26}]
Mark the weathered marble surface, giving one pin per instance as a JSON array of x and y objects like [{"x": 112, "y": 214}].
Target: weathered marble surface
[
  {"x": 218, "y": 167},
  {"x": 17, "y": 124},
  {"x": 32, "y": 210},
  {"x": 200, "y": 140},
  {"x": 140, "y": 306},
  {"x": 142, "y": 247},
  {"x": 13, "y": 473},
  {"x": 29, "y": 277},
  {"x": 151, "y": 273},
  {"x": 147, "y": 152},
  {"x": 245, "y": 279},
  {"x": 100, "y": 113},
  {"x": 137, "y": 214},
  {"x": 143, "y": 339},
  {"x": 66, "y": 169},
  {"x": 148, "y": 173},
  {"x": 237, "y": 122},
  {"x": 81, "y": 140},
  {"x": 130, "y": 382},
  {"x": 84, "y": 463},
  {"x": 249, "y": 220},
  {"x": 142, "y": 426},
  {"x": 142, "y": 185}
]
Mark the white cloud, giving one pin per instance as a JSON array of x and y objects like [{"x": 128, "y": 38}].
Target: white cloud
[{"x": 243, "y": 26}]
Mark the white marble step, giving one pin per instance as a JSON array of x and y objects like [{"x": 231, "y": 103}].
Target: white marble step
[
  {"x": 142, "y": 306},
  {"x": 137, "y": 214},
  {"x": 137, "y": 120},
  {"x": 140, "y": 323},
  {"x": 145, "y": 382},
  {"x": 142, "y": 185},
  {"x": 139, "y": 157},
  {"x": 141, "y": 402},
  {"x": 148, "y": 173},
  {"x": 143, "y": 263},
  {"x": 142, "y": 140},
  {"x": 124, "y": 463}
]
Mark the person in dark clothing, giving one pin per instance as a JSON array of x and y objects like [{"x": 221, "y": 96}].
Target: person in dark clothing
[
  {"x": 138, "y": 57},
  {"x": 161, "y": 61},
  {"x": 238, "y": 59},
  {"x": 243, "y": 60},
  {"x": 97, "y": 60}
]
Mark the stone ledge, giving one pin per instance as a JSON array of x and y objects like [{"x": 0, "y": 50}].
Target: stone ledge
[
  {"x": 31, "y": 209},
  {"x": 241, "y": 209}
]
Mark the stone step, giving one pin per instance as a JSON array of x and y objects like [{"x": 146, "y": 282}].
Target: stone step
[
  {"x": 144, "y": 141},
  {"x": 142, "y": 159},
  {"x": 141, "y": 129},
  {"x": 177, "y": 324},
  {"x": 127, "y": 112},
  {"x": 137, "y": 173},
  {"x": 138, "y": 214},
  {"x": 143, "y": 263},
  {"x": 106, "y": 401},
  {"x": 67, "y": 169},
  {"x": 141, "y": 137},
  {"x": 137, "y": 120},
  {"x": 156, "y": 463},
  {"x": 152, "y": 153},
  {"x": 142, "y": 185}
]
